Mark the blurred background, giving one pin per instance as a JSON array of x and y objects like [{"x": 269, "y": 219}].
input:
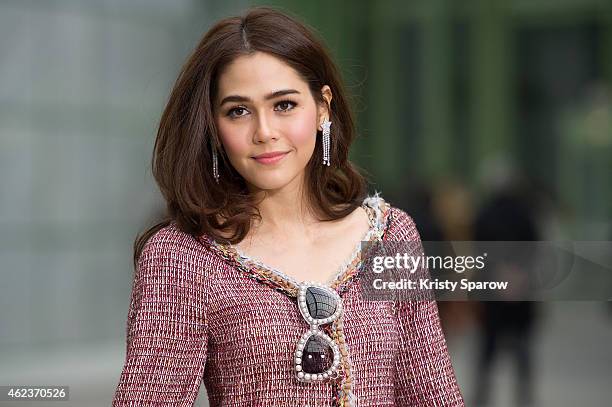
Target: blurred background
[{"x": 481, "y": 118}]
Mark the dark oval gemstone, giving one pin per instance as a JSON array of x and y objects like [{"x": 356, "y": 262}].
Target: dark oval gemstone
[
  {"x": 317, "y": 355},
  {"x": 321, "y": 304}
]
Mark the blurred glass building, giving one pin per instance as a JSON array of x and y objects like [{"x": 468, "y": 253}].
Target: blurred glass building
[{"x": 449, "y": 95}]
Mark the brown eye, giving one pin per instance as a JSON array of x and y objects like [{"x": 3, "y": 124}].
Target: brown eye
[
  {"x": 285, "y": 105},
  {"x": 236, "y": 112}
]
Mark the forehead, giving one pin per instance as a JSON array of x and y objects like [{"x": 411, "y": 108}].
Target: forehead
[{"x": 258, "y": 74}]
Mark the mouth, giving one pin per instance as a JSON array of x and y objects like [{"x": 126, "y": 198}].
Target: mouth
[{"x": 270, "y": 158}]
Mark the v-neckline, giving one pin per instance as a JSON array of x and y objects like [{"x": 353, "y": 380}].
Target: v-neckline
[{"x": 378, "y": 214}]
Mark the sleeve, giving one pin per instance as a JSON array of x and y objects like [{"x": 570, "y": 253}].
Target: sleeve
[
  {"x": 166, "y": 331},
  {"x": 424, "y": 372}
]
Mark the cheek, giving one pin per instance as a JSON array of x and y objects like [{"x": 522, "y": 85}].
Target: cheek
[
  {"x": 233, "y": 139},
  {"x": 302, "y": 128}
]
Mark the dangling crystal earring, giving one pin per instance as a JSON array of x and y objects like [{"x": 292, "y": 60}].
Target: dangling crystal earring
[
  {"x": 215, "y": 164},
  {"x": 326, "y": 132}
]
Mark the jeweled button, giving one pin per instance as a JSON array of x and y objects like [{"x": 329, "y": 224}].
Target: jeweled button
[
  {"x": 321, "y": 304},
  {"x": 317, "y": 356}
]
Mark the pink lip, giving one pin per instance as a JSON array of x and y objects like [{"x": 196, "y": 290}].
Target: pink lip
[{"x": 270, "y": 158}]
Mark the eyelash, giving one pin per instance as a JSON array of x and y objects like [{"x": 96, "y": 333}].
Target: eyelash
[{"x": 232, "y": 116}]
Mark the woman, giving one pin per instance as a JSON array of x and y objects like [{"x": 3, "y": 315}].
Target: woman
[{"x": 252, "y": 159}]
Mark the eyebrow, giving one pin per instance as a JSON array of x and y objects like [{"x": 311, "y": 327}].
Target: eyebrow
[{"x": 238, "y": 98}]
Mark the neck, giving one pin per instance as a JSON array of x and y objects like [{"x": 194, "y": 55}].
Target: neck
[{"x": 286, "y": 213}]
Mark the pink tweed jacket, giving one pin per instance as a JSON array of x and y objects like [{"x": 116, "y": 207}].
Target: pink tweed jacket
[{"x": 204, "y": 312}]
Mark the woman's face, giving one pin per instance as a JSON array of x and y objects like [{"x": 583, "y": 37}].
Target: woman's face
[{"x": 264, "y": 106}]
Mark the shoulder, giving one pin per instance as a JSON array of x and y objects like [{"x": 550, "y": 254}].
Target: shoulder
[
  {"x": 402, "y": 226},
  {"x": 399, "y": 225},
  {"x": 172, "y": 249},
  {"x": 170, "y": 240}
]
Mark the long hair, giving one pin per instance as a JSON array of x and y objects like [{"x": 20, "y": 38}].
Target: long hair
[{"x": 182, "y": 155}]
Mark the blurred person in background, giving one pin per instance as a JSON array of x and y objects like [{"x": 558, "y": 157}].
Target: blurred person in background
[{"x": 506, "y": 215}]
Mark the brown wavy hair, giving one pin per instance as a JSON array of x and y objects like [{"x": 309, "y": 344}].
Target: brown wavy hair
[{"x": 182, "y": 155}]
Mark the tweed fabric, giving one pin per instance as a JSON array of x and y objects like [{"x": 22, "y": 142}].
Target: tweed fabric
[{"x": 201, "y": 312}]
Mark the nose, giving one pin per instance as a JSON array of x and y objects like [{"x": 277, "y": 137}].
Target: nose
[{"x": 264, "y": 130}]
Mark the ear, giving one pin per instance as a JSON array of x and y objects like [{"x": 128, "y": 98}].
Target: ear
[{"x": 324, "y": 111}]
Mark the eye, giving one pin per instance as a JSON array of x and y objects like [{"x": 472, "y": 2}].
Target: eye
[
  {"x": 237, "y": 112},
  {"x": 285, "y": 105}
]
